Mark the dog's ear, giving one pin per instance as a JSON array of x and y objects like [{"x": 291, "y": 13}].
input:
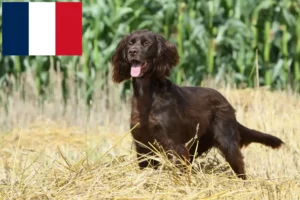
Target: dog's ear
[
  {"x": 167, "y": 57},
  {"x": 121, "y": 65}
]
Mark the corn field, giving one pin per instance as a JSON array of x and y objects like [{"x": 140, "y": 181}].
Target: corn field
[{"x": 220, "y": 39}]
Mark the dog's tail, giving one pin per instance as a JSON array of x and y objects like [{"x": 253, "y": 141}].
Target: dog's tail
[{"x": 249, "y": 135}]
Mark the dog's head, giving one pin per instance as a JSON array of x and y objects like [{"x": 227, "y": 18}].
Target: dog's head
[{"x": 143, "y": 53}]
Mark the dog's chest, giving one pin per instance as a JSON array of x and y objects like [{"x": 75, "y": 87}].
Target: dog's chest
[{"x": 159, "y": 112}]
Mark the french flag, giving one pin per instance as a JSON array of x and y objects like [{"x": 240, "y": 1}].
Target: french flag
[{"x": 42, "y": 28}]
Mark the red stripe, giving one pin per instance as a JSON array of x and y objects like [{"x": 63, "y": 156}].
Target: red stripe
[{"x": 68, "y": 28}]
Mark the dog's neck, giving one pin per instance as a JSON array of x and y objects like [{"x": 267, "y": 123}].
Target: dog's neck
[{"x": 143, "y": 87}]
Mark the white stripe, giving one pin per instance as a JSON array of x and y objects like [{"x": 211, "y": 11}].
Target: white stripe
[{"x": 41, "y": 28}]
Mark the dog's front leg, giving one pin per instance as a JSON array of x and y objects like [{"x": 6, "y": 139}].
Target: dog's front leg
[{"x": 176, "y": 152}]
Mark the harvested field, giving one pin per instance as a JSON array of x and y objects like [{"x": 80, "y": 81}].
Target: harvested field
[{"x": 51, "y": 158}]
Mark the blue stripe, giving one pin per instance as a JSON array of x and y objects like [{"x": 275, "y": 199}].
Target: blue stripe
[{"x": 15, "y": 28}]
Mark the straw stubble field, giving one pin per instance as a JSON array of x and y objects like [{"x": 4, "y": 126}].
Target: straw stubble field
[{"x": 50, "y": 157}]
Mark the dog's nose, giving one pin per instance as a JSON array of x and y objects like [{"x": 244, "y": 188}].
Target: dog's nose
[{"x": 133, "y": 51}]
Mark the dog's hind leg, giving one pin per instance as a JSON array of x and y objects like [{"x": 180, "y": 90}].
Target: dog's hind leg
[
  {"x": 200, "y": 146},
  {"x": 226, "y": 137}
]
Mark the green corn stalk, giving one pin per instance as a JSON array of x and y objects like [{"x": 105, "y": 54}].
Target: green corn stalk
[
  {"x": 238, "y": 10},
  {"x": 211, "y": 14},
  {"x": 267, "y": 39},
  {"x": 210, "y": 59},
  {"x": 211, "y": 43},
  {"x": 96, "y": 49},
  {"x": 285, "y": 55},
  {"x": 86, "y": 71},
  {"x": 118, "y": 4},
  {"x": 64, "y": 85},
  {"x": 167, "y": 23},
  {"x": 297, "y": 57},
  {"x": 95, "y": 42},
  {"x": 230, "y": 6},
  {"x": 267, "y": 49},
  {"x": 254, "y": 29},
  {"x": 180, "y": 40},
  {"x": 76, "y": 82},
  {"x": 18, "y": 70}
]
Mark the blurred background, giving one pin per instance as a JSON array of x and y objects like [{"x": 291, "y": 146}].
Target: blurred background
[{"x": 242, "y": 43}]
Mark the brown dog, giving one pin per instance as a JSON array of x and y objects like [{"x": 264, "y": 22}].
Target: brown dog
[{"x": 169, "y": 114}]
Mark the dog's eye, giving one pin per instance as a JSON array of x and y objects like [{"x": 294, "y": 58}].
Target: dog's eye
[
  {"x": 146, "y": 43},
  {"x": 130, "y": 43}
]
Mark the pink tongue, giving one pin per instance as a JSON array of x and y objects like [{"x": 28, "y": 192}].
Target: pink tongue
[{"x": 135, "y": 70}]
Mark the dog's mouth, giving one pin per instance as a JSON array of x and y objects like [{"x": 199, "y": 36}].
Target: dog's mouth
[{"x": 137, "y": 68}]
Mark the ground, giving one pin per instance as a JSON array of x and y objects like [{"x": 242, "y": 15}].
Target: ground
[{"x": 50, "y": 159}]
